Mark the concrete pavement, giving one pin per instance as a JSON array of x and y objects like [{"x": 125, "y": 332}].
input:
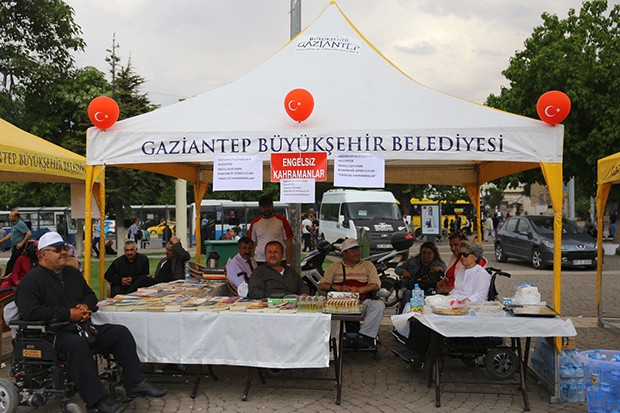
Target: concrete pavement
[{"x": 386, "y": 385}]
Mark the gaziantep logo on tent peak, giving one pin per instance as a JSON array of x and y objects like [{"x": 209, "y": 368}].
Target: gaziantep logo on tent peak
[{"x": 328, "y": 42}]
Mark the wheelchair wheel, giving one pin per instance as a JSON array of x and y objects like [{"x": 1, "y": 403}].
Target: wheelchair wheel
[
  {"x": 119, "y": 393},
  {"x": 377, "y": 350},
  {"x": 9, "y": 398},
  {"x": 501, "y": 363},
  {"x": 72, "y": 407}
]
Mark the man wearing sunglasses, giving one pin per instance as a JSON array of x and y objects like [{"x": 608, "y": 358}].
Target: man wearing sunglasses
[{"x": 54, "y": 291}]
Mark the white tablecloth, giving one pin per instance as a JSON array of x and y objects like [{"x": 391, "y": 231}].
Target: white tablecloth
[
  {"x": 474, "y": 326},
  {"x": 268, "y": 340}
]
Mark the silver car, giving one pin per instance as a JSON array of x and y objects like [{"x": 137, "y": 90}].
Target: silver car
[{"x": 530, "y": 238}]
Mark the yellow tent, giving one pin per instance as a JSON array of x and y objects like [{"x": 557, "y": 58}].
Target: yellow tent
[
  {"x": 607, "y": 175},
  {"x": 28, "y": 158}
]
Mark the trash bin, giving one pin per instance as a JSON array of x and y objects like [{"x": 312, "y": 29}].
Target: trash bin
[
  {"x": 226, "y": 248},
  {"x": 601, "y": 371}
]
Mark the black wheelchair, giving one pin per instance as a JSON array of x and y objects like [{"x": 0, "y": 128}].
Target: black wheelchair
[
  {"x": 493, "y": 353},
  {"x": 39, "y": 371}
]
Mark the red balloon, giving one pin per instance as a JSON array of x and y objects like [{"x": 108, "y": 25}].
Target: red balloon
[
  {"x": 103, "y": 112},
  {"x": 553, "y": 107},
  {"x": 299, "y": 104}
]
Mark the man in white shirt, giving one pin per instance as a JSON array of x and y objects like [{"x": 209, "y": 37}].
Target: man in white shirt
[
  {"x": 241, "y": 265},
  {"x": 270, "y": 226},
  {"x": 306, "y": 235}
]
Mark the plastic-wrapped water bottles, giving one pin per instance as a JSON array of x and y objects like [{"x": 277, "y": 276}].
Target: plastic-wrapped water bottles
[{"x": 417, "y": 299}]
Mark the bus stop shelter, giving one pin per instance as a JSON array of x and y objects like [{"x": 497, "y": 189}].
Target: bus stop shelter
[
  {"x": 363, "y": 103},
  {"x": 608, "y": 174}
]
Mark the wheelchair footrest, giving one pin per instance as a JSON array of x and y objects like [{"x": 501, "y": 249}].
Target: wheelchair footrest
[{"x": 410, "y": 356}]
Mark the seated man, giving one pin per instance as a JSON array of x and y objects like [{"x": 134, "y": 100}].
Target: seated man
[
  {"x": 170, "y": 268},
  {"x": 241, "y": 266},
  {"x": 273, "y": 279},
  {"x": 54, "y": 291},
  {"x": 472, "y": 283},
  {"x": 126, "y": 269},
  {"x": 354, "y": 275}
]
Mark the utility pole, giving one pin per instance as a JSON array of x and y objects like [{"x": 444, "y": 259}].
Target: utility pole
[
  {"x": 295, "y": 209},
  {"x": 295, "y": 17}
]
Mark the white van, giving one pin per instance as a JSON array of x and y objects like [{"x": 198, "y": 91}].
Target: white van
[{"x": 344, "y": 212}]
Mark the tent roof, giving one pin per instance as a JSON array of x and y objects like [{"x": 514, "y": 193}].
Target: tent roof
[
  {"x": 28, "y": 158},
  {"x": 609, "y": 169},
  {"x": 363, "y": 103}
]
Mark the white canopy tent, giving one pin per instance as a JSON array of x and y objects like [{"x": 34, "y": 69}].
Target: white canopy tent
[{"x": 363, "y": 103}]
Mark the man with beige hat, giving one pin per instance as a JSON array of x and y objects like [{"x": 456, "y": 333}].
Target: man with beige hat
[{"x": 354, "y": 275}]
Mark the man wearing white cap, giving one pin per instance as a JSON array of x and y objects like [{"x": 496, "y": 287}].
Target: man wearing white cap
[
  {"x": 56, "y": 291},
  {"x": 354, "y": 275}
]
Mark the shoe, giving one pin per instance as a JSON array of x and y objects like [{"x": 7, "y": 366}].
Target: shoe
[
  {"x": 145, "y": 389},
  {"x": 362, "y": 341},
  {"x": 410, "y": 356},
  {"x": 108, "y": 405},
  {"x": 399, "y": 337}
]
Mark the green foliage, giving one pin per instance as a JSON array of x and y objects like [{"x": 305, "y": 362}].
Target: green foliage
[
  {"x": 493, "y": 196},
  {"x": 579, "y": 56},
  {"x": 37, "y": 38},
  {"x": 582, "y": 208}
]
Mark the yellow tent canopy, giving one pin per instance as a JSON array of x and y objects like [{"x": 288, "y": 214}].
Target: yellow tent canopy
[
  {"x": 608, "y": 174},
  {"x": 28, "y": 158}
]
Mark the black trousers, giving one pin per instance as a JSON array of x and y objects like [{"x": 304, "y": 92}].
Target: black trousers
[
  {"x": 15, "y": 253},
  {"x": 419, "y": 337},
  {"x": 113, "y": 338}
]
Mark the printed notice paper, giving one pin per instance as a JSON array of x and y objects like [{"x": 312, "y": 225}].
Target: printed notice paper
[
  {"x": 359, "y": 170},
  {"x": 238, "y": 173},
  {"x": 297, "y": 191}
]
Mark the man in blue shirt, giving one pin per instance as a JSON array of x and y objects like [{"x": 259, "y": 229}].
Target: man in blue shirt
[{"x": 19, "y": 235}]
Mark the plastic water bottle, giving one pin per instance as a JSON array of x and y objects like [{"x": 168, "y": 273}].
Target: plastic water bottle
[
  {"x": 418, "y": 295},
  {"x": 187, "y": 277},
  {"x": 412, "y": 303},
  {"x": 421, "y": 301}
]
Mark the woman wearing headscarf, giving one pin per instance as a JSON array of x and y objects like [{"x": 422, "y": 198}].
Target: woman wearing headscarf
[{"x": 27, "y": 261}]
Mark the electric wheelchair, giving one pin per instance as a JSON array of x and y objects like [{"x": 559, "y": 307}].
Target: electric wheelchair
[
  {"x": 39, "y": 371},
  {"x": 493, "y": 353}
]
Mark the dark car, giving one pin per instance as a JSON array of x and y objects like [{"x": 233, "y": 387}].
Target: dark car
[{"x": 530, "y": 238}]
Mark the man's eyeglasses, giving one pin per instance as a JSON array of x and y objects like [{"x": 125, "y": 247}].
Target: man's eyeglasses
[
  {"x": 57, "y": 248},
  {"x": 464, "y": 254}
]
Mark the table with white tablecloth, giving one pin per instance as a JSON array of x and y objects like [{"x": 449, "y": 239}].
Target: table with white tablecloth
[
  {"x": 253, "y": 339},
  {"x": 472, "y": 325},
  {"x": 268, "y": 340}
]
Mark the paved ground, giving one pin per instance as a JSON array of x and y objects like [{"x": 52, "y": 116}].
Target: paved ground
[{"x": 386, "y": 385}]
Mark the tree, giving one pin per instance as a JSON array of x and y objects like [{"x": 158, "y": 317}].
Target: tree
[
  {"x": 36, "y": 41},
  {"x": 579, "y": 56}
]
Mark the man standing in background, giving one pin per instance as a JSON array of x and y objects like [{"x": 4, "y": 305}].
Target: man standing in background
[
  {"x": 19, "y": 235},
  {"x": 270, "y": 226}
]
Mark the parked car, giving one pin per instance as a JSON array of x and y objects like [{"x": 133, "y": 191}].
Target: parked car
[
  {"x": 109, "y": 226},
  {"x": 159, "y": 229},
  {"x": 530, "y": 238}
]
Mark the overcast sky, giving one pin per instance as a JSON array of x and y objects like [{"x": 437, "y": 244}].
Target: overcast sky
[{"x": 186, "y": 47}]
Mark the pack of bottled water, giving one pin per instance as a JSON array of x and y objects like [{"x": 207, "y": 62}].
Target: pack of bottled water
[{"x": 601, "y": 370}]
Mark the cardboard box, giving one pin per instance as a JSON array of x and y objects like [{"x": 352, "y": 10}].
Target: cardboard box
[{"x": 568, "y": 343}]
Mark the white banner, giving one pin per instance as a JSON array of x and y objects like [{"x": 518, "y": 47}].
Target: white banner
[
  {"x": 359, "y": 170},
  {"x": 297, "y": 191},
  {"x": 237, "y": 173}
]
